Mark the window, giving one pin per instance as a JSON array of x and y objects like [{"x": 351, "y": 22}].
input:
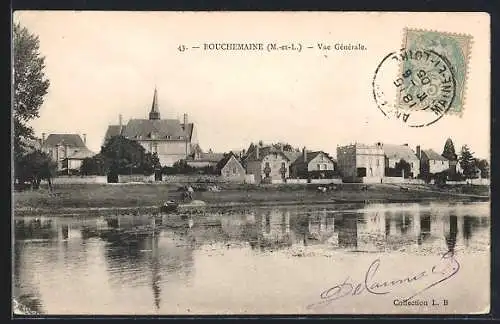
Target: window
[
  {"x": 318, "y": 167},
  {"x": 411, "y": 164},
  {"x": 234, "y": 170},
  {"x": 378, "y": 162},
  {"x": 442, "y": 162},
  {"x": 283, "y": 165}
]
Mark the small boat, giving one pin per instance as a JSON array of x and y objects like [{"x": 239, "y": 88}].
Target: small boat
[
  {"x": 169, "y": 207},
  {"x": 172, "y": 206}
]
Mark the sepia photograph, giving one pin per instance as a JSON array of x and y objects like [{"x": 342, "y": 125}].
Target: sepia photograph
[{"x": 250, "y": 163}]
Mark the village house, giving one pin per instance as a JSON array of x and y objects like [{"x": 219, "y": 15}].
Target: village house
[
  {"x": 432, "y": 162},
  {"x": 230, "y": 168},
  {"x": 361, "y": 161},
  {"x": 170, "y": 139},
  {"x": 312, "y": 163},
  {"x": 395, "y": 153},
  {"x": 67, "y": 150},
  {"x": 292, "y": 156},
  {"x": 201, "y": 159},
  {"x": 267, "y": 164}
]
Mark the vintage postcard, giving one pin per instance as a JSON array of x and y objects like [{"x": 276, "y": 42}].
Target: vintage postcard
[{"x": 201, "y": 163}]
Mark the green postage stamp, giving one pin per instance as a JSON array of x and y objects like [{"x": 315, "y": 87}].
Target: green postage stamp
[{"x": 454, "y": 48}]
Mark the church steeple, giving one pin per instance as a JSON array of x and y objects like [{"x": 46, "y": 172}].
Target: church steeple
[{"x": 154, "y": 113}]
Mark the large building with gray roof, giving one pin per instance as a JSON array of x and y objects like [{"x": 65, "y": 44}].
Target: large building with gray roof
[{"x": 171, "y": 139}]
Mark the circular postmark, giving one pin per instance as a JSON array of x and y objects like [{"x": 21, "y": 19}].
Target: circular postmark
[{"x": 415, "y": 86}]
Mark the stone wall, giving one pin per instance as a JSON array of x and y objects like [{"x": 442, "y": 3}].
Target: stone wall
[
  {"x": 325, "y": 181},
  {"x": 79, "y": 179},
  {"x": 136, "y": 178}
]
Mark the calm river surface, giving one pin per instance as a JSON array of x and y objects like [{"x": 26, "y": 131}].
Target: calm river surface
[{"x": 256, "y": 261}]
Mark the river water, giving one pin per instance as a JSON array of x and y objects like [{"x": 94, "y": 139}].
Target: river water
[{"x": 258, "y": 261}]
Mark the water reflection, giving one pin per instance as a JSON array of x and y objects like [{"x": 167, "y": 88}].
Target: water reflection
[
  {"x": 451, "y": 233},
  {"x": 158, "y": 252},
  {"x": 347, "y": 226}
]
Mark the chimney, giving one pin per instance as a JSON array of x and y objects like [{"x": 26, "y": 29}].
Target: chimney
[
  {"x": 304, "y": 154},
  {"x": 418, "y": 151},
  {"x": 257, "y": 148},
  {"x": 43, "y": 138},
  {"x": 85, "y": 139}
]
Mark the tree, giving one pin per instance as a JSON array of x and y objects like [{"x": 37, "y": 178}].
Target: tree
[
  {"x": 151, "y": 163},
  {"x": 467, "y": 162},
  {"x": 404, "y": 167},
  {"x": 93, "y": 165},
  {"x": 34, "y": 167},
  {"x": 483, "y": 165},
  {"x": 179, "y": 167},
  {"x": 449, "y": 150},
  {"x": 30, "y": 85},
  {"x": 286, "y": 147},
  {"x": 124, "y": 156}
]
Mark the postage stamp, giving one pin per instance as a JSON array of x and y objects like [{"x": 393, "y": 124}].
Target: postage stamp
[
  {"x": 455, "y": 48},
  {"x": 425, "y": 80}
]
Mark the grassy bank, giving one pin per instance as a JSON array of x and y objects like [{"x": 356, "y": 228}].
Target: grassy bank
[{"x": 146, "y": 195}]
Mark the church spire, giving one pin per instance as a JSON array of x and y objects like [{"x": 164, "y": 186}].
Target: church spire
[{"x": 154, "y": 113}]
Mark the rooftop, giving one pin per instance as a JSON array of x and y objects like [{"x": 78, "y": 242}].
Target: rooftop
[
  {"x": 70, "y": 140},
  {"x": 399, "y": 152},
  {"x": 432, "y": 155},
  {"x": 263, "y": 151},
  {"x": 311, "y": 155},
  {"x": 165, "y": 129}
]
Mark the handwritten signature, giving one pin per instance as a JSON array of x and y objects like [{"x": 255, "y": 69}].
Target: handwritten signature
[{"x": 447, "y": 267}]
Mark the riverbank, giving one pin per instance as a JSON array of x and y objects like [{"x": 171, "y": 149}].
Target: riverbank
[{"x": 101, "y": 197}]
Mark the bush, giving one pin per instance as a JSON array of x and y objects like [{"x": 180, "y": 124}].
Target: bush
[
  {"x": 440, "y": 178},
  {"x": 33, "y": 167},
  {"x": 456, "y": 177}
]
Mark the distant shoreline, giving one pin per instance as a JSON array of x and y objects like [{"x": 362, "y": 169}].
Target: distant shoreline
[{"x": 144, "y": 198}]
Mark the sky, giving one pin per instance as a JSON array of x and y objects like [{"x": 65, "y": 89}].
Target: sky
[{"x": 103, "y": 64}]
